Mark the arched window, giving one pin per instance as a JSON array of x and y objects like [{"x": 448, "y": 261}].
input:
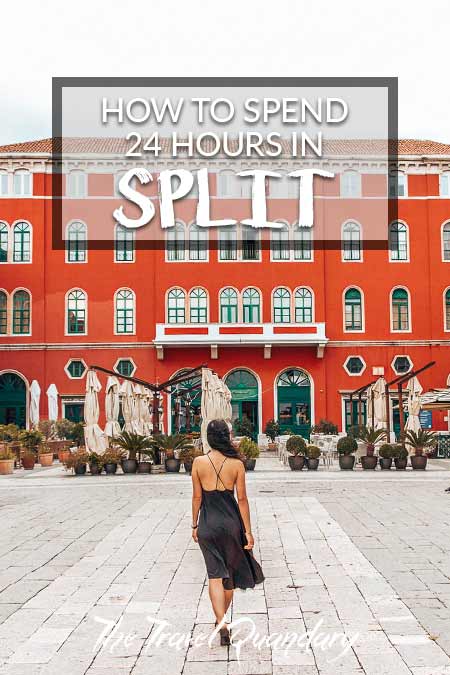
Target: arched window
[
  {"x": 124, "y": 244},
  {"x": 22, "y": 183},
  {"x": 22, "y": 242},
  {"x": 76, "y": 243},
  {"x": 303, "y": 305},
  {"x": 251, "y": 305},
  {"x": 351, "y": 235},
  {"x": 302, "y": 243},
  {"x": 76, "y": 184},
  {"x": 176, "y": 242},
  {"x": 398, "y": 241},
  {"x": 3, "y": 313},
  {"x": 280, "y": 243},
  {"x": 4, "y": 240},
  {"x": 198, "y": 242},
  {"x": 281, "y": 305},
  {"x": 76, "y": 312},
  {"x": 446, "y": 242},
  {"x": 125, "y": 311},
  {"x": 353, "y": 315},
  {"x": 400, "y": 309},
  {"x": 228, "y": 243},
  {"x": 447, "y": 309},
  {"x": 4, "y": 187},
  {"x": 21, "y": 313},
  {"x": 228, "y": 306},
  {"x": 176, "y": 306},
  {"x": 444, "y": 184},
  {"x": 398, "y": 186},
  {"x": 351, "y": 184},
  {"x": 198, "y": 306}
]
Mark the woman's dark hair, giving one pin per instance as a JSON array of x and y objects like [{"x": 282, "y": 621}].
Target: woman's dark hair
[{"x": 218, "y": 435}]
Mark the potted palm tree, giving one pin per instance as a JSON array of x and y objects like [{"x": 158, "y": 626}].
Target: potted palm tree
[
  {"x": 346, "y": 446},
  {"x": 296, "y": 446},
  {"x": 250, "y": 450},
  {"x": 312, "y": 457},
  {"x": 386, "y": 453},
  {"x": 7, "y": 458},
  {"x": 171, "y": 446},
  {"x": 419, "y": 441},
  {"x": 272, "y": 430},
  {"x": 133, "y": 445},
  {"x": 370, "y": 437},
  {"x": 30, "y": 441},
  {"x": 400, "y": 455}
]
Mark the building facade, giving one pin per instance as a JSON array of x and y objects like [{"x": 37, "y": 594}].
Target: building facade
[{"x": 293, "y": 327}]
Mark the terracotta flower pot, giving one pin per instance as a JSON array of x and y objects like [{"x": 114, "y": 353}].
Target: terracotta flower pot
[
  {"x": 46, "y": 459},
  {"x": 28, "y": 462},
  {"x": 63, "y": 455},
  {"x": 6, "y": 467},
  {"x": 272, "y": 446}
]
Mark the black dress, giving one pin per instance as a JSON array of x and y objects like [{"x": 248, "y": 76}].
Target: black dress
[{"x": 221, "y": 536}]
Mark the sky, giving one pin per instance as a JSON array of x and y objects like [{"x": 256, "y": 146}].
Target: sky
[{"x": 290, "y": 38}]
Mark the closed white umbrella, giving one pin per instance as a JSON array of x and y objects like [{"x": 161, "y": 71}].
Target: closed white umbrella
[
  {"x": 379, "y": 403},
  {"x": 139, "y": 404},
  {"x": 147, "y": 426},
  {"x": 128, "y": 405},
  {"x": 414, "y": 389},
  {"x": 52, "y": 396},
  {"x": 35, "y": 396},
  {"x": 112, "y": 407},
  {"x": 94, "y": 438}
]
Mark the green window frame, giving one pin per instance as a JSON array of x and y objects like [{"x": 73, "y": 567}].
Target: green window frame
[
  {"x": 76, "y": 312},
  {"x": 446, "y": 242},
  {"x": 229, "y": 306},
  {"x": 198, "y": 306},
  {"x": 3, "y": 313},
  {"x": 124, "y": 311},
  {"x": 228, "y": 243},
  {"x": 4, "y": 240},
  {"x": 125, "y": 367},
  {"x": 76, "y": 242},
  {"x": 353, "y": 310},
  {"x": 176, "y": 243},
  {"x": 21, "y": 313},
  {"x": 302, "y": 243},
  {"x": 76, "y": 369},
  {"x": 398, "y": 241},
  {"x": 198, "y": 243},
  {"x": 281, "y": 305},
  {"x": 400, "y": 310},
  {"x": 251, "y": 305},
  {"x": 303, "y": 305},
  {"x": 124, "y": 244},
  {"x": 176, "y": 306},
  {"x": 22, "y": 242},
  {"x": 447, "y": 309},
  {"x": 351, "y": 236}
]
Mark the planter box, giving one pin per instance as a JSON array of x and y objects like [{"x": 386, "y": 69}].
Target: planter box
[
  {"x": 46, "y": 459},
  {"x": 6, "y": 467}
]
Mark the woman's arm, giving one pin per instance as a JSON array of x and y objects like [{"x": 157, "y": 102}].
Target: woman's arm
[
  {"x": 196, "y": 498},
  {"x": 243, "y": 505}
]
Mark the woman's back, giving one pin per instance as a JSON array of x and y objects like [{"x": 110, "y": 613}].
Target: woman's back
[{"x": 217, "y": 472}]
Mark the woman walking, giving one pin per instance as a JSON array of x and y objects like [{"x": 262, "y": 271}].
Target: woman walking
[{"x": 223, "y": 528}]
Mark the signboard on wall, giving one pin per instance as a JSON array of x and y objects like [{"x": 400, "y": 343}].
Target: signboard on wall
[{"x": 426, "y": 419}]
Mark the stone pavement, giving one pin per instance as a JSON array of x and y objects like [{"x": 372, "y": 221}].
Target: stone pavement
[{"x": 361, "y": 559}]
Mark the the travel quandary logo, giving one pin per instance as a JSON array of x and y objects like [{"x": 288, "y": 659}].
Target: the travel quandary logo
[{"x": 224, "y": 153}]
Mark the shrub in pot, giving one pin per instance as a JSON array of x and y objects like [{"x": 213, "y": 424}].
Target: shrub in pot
[
  {"x": 95, "y": 462},
  {"x": 9, "y": 433},
  {"x": 31, "y": 440},
  {"x": 296, "y": 446},
  {"x": 419, "y": 441},
  {"x": 133, "y": 445},
  {"x": 313, "y": 454},
  {"x": 400, "y": 455},
  {"x": 77, "y": 462},
  {"x": 187, "y": 456},
  {"x": 325, "y": 427},
  {"x": 112, "y": 457},
  {"x": 7, "y": 459},
  {"x": 28, "y": 458},
  {"x": 370, "y": 437},
  {"x": 346, "y": 446},
  {"x": 272, "y": 430},
  {"x": 385, "y": 453},
  {"x": 45, "y": 455},
  {"x": 249, "y": 449},
  {"x": 171, "y": 446}
]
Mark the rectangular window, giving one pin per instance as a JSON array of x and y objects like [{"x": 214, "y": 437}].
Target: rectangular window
[
  {"x": 21, "y": 320},
  {"x": 22, "y": 244},
  {"x": 401, "y": 316},
  {"x": 228, "y": 244},
  {"x": 124, "y": 246},
  {"x": 124, "y": 320},
  {"x": 3, "y": 317},
  {"x": 250, "y": 244},
  {"x": 302, "y": 243},
  {"x": 76, "y": 321},
  {"x": 228, "y": 314},
  {"x": 353, "y": 317},
  {"x": 3, "y": 184}
]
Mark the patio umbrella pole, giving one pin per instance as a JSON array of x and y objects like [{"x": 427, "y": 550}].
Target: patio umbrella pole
[{"x": 400, "y": 407}]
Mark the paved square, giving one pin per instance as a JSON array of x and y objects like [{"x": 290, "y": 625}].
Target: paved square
[{"x": 359, "y": 562}]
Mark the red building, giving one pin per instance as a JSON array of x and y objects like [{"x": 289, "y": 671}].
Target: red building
[{"x": 293, "y": 328}]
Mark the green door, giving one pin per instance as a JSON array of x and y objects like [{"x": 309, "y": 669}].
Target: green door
[
  {"x": 351, "y": 414},
  {"x": 294, "y": 402},
  {"x": 396, "y": 417},
  {"x": 74, "y": 412},
  {"x": 13, "y": 400},
  {"x": 244, "y": 398}
]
